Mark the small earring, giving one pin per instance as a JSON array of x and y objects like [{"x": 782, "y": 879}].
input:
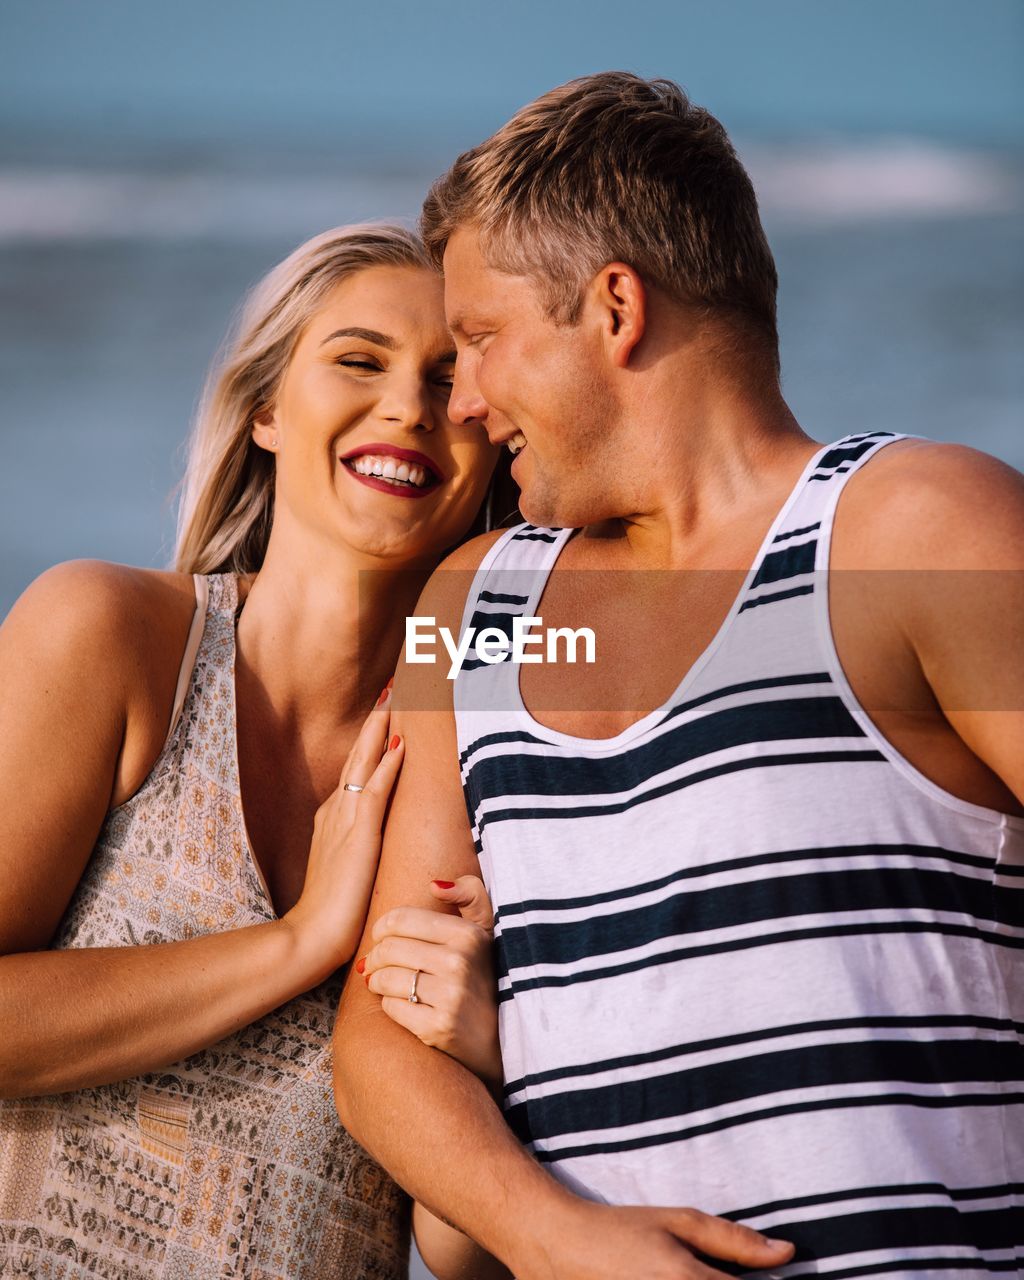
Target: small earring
[{"x": 273, "y": 442}]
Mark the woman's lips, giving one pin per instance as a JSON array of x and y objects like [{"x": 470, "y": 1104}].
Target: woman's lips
[
  {"x": 378, "y": 449},
  {"x": 402, "y": 490},
  {"x": 385, "y": 486}
]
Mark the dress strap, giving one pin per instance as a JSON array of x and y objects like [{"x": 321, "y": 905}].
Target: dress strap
[{"x": 188, "y": 661}]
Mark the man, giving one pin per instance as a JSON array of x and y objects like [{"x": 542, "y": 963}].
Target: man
[{"x": 756, "y": 870}]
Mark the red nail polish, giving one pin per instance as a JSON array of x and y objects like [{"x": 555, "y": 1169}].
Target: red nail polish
[
  {"x": 383, "y": 694},
  {"x": 390, "y": 683},
  {"x": 394, "y": 742},
  {"x": 361, "y": 965},
  {"x": 445, "y": 884}
]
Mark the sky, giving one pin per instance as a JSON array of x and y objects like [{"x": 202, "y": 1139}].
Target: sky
[{"x": 396, "y": 77}]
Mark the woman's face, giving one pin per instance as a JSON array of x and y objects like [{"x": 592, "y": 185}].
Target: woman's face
[{"x": 366, "y": 453}]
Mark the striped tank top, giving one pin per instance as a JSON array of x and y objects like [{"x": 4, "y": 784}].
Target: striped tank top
[
  {"x": 230, "y": 1163},
  {"x": 750, "y": 959}
]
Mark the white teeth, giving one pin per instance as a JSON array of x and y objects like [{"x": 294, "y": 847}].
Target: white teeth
[
  {"x": 516, "y": 442},
  {"x": 390, "y": 468}
]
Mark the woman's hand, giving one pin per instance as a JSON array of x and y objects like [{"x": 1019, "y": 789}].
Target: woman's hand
[
  {"x": 450, "y": 959},
  {"x": 328, "y": 918}
]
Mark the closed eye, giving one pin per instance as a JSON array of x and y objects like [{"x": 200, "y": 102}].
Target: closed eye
[{"x": 359, "y": 364}]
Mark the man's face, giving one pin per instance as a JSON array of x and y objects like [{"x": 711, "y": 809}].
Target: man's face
[{"x": 523, "y": 377}]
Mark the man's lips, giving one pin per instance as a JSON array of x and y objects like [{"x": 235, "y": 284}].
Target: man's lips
[{"x": 378, "y": 450}]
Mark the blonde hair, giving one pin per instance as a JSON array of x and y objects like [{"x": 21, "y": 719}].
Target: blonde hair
[
  {"x": 227, "y": 493},
  {"x": 612, "y": 167}
]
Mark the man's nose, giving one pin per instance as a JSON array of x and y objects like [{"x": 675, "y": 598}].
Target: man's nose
[{"x": 465, "y": 404}]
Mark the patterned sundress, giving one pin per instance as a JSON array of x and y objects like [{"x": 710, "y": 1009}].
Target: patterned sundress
[{"x": 231, "y": 1163}]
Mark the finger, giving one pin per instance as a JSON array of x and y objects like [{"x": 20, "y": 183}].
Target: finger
[
  {"x": 396, "y": 983},
  {"x": 729, "y": 1241},
  {"x": 470, "y": 896},
  {"x": 407, "y": 953},
  {"x": 373, "y": 799},
  {"x": 369, "y": 745},
  {"x": 416, "y": 1018},
  {"x": 420, "y": 923}
]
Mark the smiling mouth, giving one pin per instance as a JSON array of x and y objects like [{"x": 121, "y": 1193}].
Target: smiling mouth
[
  {"x": 516, "y": 443},
  {"x": 391, "y": 472}
]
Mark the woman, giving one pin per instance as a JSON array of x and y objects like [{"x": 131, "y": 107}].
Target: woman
[{"x": 146, "y": 917}]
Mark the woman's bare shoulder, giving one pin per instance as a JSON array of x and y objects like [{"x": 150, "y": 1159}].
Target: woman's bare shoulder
[
  {"x": 113, "y": 617},
  {"x": 94, "y": 649}
]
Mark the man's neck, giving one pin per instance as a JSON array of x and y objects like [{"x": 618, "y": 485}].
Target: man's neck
[{"x": 705, "y": 477}]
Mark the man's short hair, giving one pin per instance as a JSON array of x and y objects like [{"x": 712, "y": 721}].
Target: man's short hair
[{"x": 615, "y": 168}]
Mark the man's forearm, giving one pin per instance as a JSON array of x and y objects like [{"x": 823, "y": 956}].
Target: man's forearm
[{"x": 436, "y": 1129}]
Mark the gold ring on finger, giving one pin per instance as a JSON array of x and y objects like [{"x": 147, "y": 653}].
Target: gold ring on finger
[
  {"x": 413, "y": 997},
  {"x": 352, "y": 786}
]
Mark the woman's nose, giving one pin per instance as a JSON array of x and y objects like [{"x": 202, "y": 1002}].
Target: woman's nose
[{"x": 409, "y": 405}]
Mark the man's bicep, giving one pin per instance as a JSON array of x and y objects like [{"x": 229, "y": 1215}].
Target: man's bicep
[
  {"x": 973, "y": 656},
  {"x": 966, "y": 617},
  {"x": 427, "y": 834}
]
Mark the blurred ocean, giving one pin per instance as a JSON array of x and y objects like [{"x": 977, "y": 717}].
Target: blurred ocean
[{"x": 901, "y": 261}]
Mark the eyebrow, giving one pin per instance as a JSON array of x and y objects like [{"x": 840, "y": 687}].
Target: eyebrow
[
  {"x": 367, "y": 335},
  {"x": 458, "y": 323},
  {"x": 380, "y": 340}
]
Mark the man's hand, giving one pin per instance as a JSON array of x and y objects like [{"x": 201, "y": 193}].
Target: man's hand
[{"x": 605, "y": 1242}]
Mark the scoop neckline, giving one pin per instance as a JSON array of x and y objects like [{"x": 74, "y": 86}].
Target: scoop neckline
[{"x": 652, "y": 718}]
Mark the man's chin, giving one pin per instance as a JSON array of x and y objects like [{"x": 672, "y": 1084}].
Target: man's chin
[{"x": 544, "y": 511}]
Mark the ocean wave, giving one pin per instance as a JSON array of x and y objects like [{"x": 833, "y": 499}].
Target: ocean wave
[{"x": 821, "y": 185}]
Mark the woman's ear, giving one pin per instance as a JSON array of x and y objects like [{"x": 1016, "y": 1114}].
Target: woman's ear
[
  {"x": 264, "y": 430},
  {"x": 621, "y": 299}
]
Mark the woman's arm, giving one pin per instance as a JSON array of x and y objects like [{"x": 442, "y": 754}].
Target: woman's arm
[{"x": 80, "y": 656}]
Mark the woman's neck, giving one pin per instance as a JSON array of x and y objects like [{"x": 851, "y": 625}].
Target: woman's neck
[{"x": 321, "y": 634}]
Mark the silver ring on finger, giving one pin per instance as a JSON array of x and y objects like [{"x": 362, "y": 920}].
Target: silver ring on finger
[
  {"x": 413, "y": 997},
  {"x": 352, "y": 786}
]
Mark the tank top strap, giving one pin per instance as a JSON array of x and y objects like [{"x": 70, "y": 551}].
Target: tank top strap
[
  {"x": 511, "y": 576},
  {"x": 796, "y": 547},
  {"x": 201, "y": 585},
  {"x": 223, "y": 594},
  {"x": 209, "y": 649},
  {"x": 507, "y": 585}
]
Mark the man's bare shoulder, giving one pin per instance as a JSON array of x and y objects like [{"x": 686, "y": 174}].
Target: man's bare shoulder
[
  {"x": 924, "y": 505},
  {"x": 423, "y": 692},
  {"x": 444, "y": 596}
]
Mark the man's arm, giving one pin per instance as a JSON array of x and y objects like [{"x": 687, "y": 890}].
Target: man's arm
[
  {"x": 431, "y": 1122},
  {"x": 951, "y": 521},
  {"x": 428, "y": 1120},
  {"x": 969, "y": 637}
]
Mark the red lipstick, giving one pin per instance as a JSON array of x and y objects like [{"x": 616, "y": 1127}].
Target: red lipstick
[{"x": 379, "y": 449}]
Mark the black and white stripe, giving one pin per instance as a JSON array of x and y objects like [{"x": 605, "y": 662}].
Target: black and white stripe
[{"x": 748, "y": 960}]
